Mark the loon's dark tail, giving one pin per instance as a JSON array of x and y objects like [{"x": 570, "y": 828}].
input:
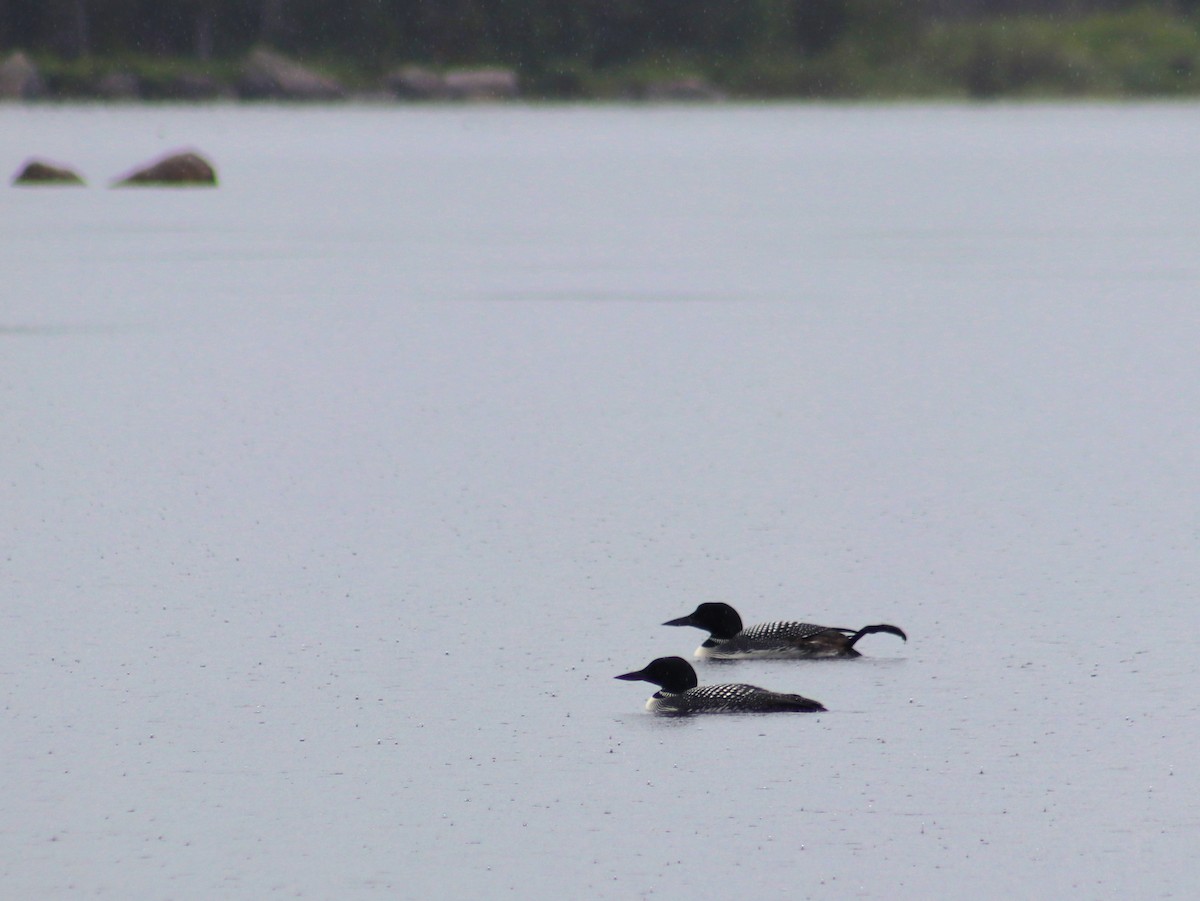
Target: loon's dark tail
[
  {"x": 870, "y": 630},
  {"x": 800, "y": 704}
]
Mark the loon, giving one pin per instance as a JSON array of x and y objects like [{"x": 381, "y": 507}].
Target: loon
[
  {"x": 681, "y": 696},
  {"x": 728, "y": 640}
]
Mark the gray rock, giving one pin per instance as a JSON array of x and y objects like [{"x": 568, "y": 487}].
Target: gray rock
[
  {"x": 415, "y": 83},
  {"x": 267, "y": 75},
  {"x": 482, "y": 84},
  {"x": 20, "y": 79}
]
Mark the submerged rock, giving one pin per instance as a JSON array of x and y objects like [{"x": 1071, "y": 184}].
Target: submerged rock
[
  {"x": 40, "y": 172},
  {"x": 20, "y": 79},
  {"x": 267, "y": 75},
  {"x": 178, "y": 169}
]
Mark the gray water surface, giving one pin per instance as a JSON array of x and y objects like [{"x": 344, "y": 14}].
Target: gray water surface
[{"x": 335, "y": 497}]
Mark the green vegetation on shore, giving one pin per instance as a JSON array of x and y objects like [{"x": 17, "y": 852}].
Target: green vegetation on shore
[{"x": 854, "y": 49}]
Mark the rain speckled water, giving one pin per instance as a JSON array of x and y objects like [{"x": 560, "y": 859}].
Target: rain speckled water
[{"x": 335, "y": 498}]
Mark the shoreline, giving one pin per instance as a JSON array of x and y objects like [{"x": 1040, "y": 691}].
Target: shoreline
[{"x": 1142, "y": 54}]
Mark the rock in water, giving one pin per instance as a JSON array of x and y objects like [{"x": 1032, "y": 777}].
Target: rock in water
[
  {"x": 177, "y": 169},
  {"x": 39, "y": 172}
]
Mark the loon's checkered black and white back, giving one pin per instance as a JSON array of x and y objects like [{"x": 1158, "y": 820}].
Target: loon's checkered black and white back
[
  {"x": 784, "y": 632},
  {"x": 730, "y": 698},
  {"x": 776, "y": 638}
]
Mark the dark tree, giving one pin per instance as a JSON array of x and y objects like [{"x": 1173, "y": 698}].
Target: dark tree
[{"x": 70, "y": 28}]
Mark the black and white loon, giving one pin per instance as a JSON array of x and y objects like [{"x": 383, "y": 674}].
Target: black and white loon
[
  {"x": 727, "y": 639},
  {"x": 679, "y": 694}
]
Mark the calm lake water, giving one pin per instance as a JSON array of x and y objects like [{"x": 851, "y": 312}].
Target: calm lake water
[{"x": 335, "y": 497}]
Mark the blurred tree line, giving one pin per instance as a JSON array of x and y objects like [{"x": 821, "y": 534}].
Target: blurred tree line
[{"x": 531, "y": 34}]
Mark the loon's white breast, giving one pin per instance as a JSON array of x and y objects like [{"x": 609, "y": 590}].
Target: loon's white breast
[{"x": 721, "y": 653}]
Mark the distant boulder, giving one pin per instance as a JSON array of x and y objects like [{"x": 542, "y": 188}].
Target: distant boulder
[
  {"x": 675, "y": 89},
  {"x": 482, "y": 84},
  {"x": 40, "y": 172},
  {"x": 20, "y": 79},
  {"x": 415, "y": 83},
  {"x": 267, "y": 75},
  {"x": 178, "y": 169}
]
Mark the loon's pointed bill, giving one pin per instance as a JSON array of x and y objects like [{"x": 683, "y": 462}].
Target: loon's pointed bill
[
  {"x": 680, "y": 694},
  {"x": 728, "y": 640},
  {"x": 639, "y": 676},
  {"x": 682, "y": 621}
]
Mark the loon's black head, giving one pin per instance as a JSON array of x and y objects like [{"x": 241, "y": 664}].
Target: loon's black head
[
  {"x": 673, "y": 674},
  {"x": 721, "y": 620}
]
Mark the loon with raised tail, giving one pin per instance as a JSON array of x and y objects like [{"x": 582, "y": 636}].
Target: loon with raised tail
[
  {"x": 727, "y": 639},
  {"x": 679, "y": 694}
]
